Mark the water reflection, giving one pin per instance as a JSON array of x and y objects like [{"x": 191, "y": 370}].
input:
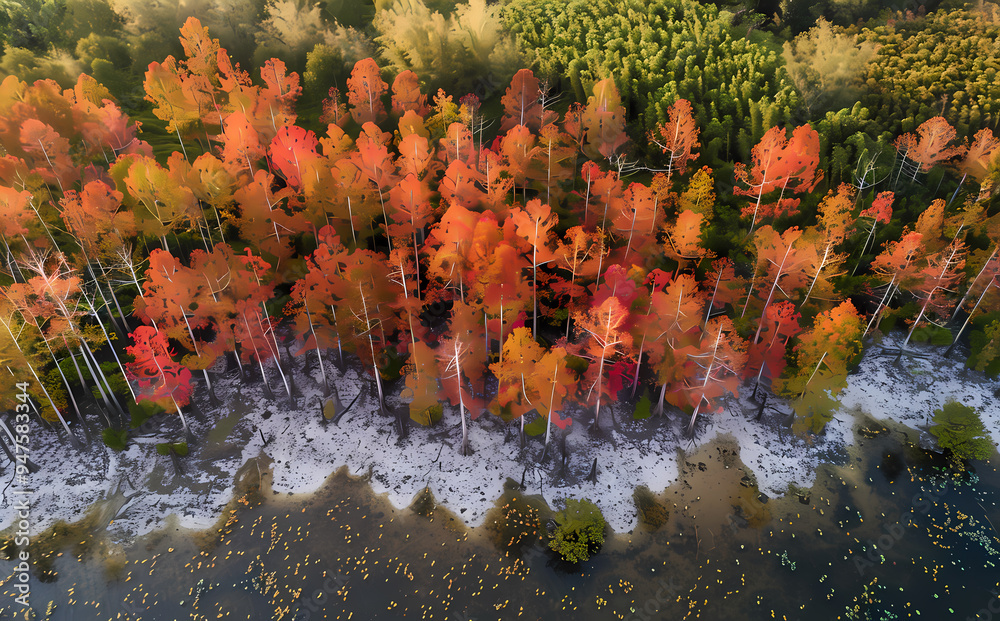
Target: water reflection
[{"x": 892, "y": 532}]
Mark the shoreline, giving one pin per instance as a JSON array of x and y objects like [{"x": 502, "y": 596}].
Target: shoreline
[{"x": 137, "y": 491}]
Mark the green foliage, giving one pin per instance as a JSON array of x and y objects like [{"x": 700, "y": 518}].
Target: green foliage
[
  {"x": 151, "y": 27},
  {"x": 959, "y": 429},
  {"x": 178, "y": 448},
  {"x": 817, "y": 407},
  {"x": 290, "y": 32},
  {"x": 535, "y": 427},
  {"x": 827, "y": 66},
  {"x": 28, "y": 67},
  {"x": 349, "y": 13},
  {"x": 580, "y": 530},
  {"x": 140, "y": 412},
  {"x": 34, "y": 25},
  {"x": 429, "y": 415},
  {"x": 985, "y": 345},
  {"x": 109, "y": 48},
  {"x": 642, "y": 408},
  {"x": 324, "y": 67},
  {"x": 122, "y": 83},
  {"x": 390, "y": 363},
  {"x": 299, "y": 34},
  {"x": 800, "y": 15},
  {"x": 466, "y": 51},
  {"x": 115, "y": 440},
  {"x": 90, "y": 17},
  {"x": 659, "y": 52},
  {"x": 577, "y": 364},
  {"x": 944, "y": 64},
  {"x": 893, "y": 316},
  {"x": 930, "y": 333},
  {"x": 55, "y": 388}
]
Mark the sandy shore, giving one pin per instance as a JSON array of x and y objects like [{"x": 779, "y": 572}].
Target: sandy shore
[{"x": 306, "y": 450}]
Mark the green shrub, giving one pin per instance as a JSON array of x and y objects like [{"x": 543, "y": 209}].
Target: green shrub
[
  {"x": 984, "y": 341},
  {"x": 658, "y": 52},
  {"x": 580, "y": 531},
  {"x": 949, "y": 54},
  {"x": 178, "y": 448},
  {"x": 462, "y": 50},
  {"x": 142, "y": 411},
  {"x": 116, "y": 440},
  {"x": 935, "y": 335},
  {"x": 324, "y": 68},
  {"x": 959, "y": 429}
]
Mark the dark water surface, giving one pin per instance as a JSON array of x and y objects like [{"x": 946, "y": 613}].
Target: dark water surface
[{"x": 891, "y": 533}]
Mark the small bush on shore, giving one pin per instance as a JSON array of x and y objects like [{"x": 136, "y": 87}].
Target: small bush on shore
[
  {"x": 959, "y": 429},
  {"x": 580, "y": 531}
]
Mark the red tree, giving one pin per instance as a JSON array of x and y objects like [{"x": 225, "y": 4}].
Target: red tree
[
  {"x": 364, "y": 92},
  {"x": 779, "y": 163},
  {"x": 159, "y": 378}
]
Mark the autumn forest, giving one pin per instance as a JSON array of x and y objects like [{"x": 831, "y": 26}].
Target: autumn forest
[{"x": 565, "y": 253}]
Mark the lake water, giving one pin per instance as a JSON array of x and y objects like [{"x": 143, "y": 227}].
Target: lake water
[{"x": 888, "y": 532}]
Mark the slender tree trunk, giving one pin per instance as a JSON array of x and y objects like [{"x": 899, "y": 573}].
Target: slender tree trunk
[
  {"x": 461, "y": 402},
  {"x": 660, "y": 401},
  {"x": 927, "y": 301},
  {"x": 183, "y": 150},
  {"x": 69, "y": 391},
  {"x": 711, "y": 303},
  {"x": 340, "y": 350},
  {"x": 600, "y": 388},
  {"x": 256, "y": 353},
  {"x": 952, "y": 199},
  {"x": 100, "y": 388},
  {"x": 871, "y": 234},
  {"x": 277, "y": 349},
  {"x": 753, "y": 280},
  {"x": 534, "y": 284},
  {"x": 958, "y": 307},
  {"x": 552, "y": 400},
  {"x": 819, "y": 271},
  {"x": 889, "y": 292},
  {"x": 708, "y": 378},
  {"x": 100, "y": 375},
  {"x": 968, "y": 319},
  {"x": 371, "y": 344},
  {"x": 809, "y": 381},
  {"x": 638, "y": 365},
  {"x": 72, "y": 437},
  {"x": 770, "y": 293},
  {"x": 213, "y": 399},
  {"x": 319, "y": 355}
]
